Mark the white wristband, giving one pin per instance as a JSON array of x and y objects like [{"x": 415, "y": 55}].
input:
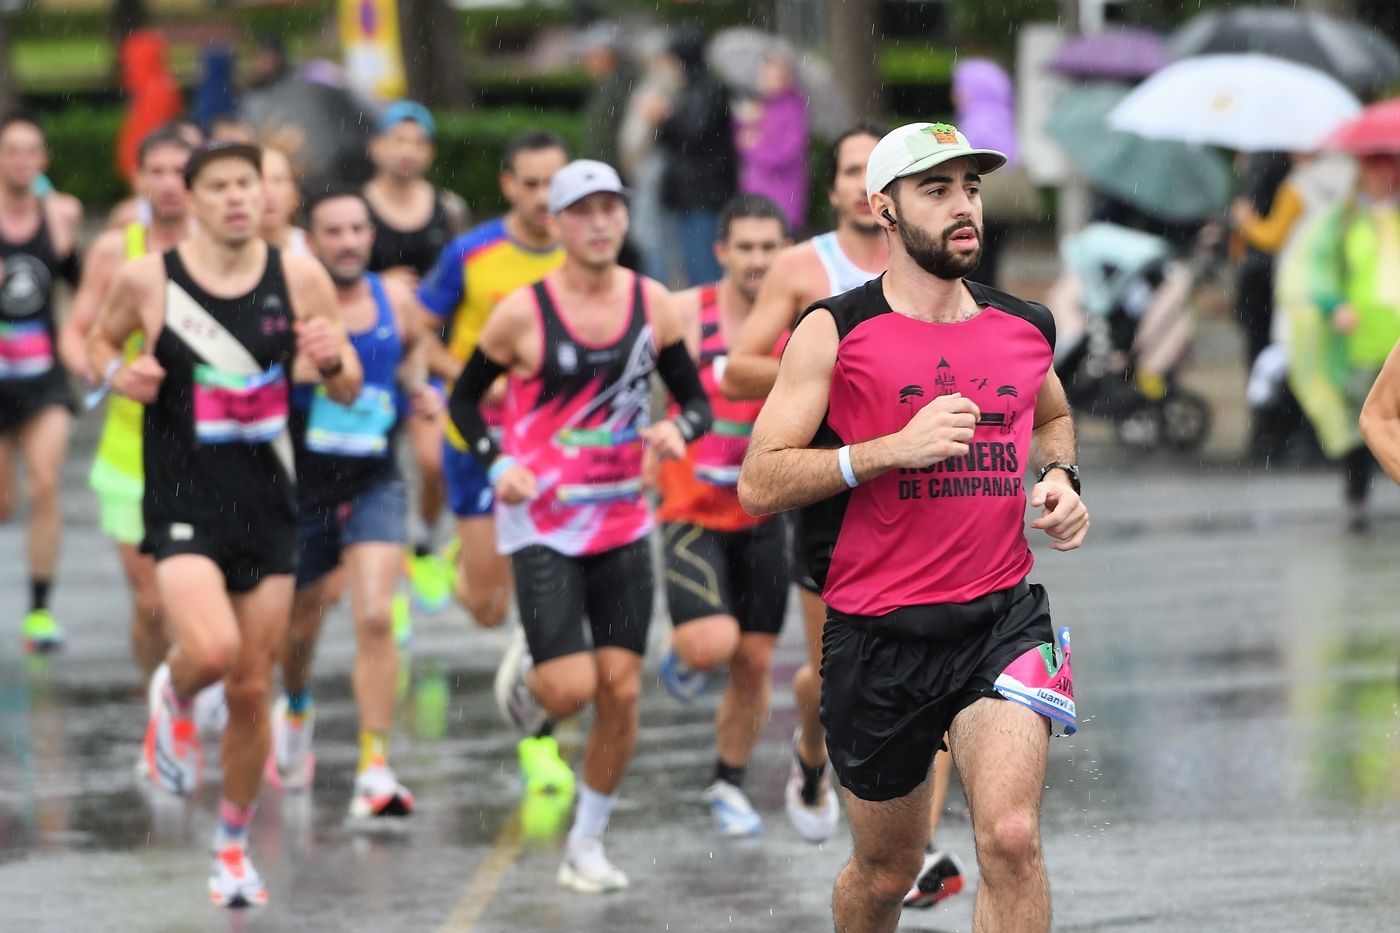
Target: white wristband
[
  {"x": 848, "y": 473},
  {"x": 719, "y": 365}
]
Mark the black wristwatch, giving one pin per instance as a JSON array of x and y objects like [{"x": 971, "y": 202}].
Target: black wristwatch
[{"x": 1070, "y": 469}]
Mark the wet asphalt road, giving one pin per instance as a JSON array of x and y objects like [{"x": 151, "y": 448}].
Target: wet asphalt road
[{"x": 1237, "y": 769}]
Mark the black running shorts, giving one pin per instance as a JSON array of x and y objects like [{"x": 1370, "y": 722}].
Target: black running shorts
[
  {"x": 555, "y": 592},
  {"x": 892, "y": 685},
  {"x": 743, "y": 574},
  {"x": 21, "y": 401},
  {"x": 245, "y": 558}
]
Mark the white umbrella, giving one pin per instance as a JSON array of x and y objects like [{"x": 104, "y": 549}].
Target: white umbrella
[{"x": 1253, "y": 103}]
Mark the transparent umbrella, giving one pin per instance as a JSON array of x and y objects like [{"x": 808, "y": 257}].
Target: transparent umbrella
[{"x": 737, "y": 54}]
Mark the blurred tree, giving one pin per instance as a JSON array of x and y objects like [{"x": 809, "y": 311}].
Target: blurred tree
[
  {"x": 851, "y": 26},
  {"x": 432, "y": 54},
  {"x": 7, "y": 86}
]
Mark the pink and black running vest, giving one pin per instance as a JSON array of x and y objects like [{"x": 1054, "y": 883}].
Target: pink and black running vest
[
  {"x": 576, "y": 425},
  {"x": 955, "y": 531}
]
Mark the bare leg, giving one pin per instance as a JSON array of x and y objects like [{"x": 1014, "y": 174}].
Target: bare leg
[
  {"x": 807, "y": 683},
  {"x": 426, "y": 436},
  {"x": 564, "y": 685},
  {"x": 706, "y": 643},
  {"x": 8, "y": 493},
  {"x": 373, "y": 569},
  {"x": 309, "y": 607},
  {"x": 942, "y": 773},
  {"x": 1000, "y": 749},
  {"x": 483, "y": 584},
  {"x": 44, "y": 443},
  {"x": 743, "y": 711},
  {"x": 150, "y": 642},
  {"x": 887, "y": 850},
  {"x": 263, "y": 614},
  {"x": 203, "y": 628},
  {"x": 613, "y": 737}
]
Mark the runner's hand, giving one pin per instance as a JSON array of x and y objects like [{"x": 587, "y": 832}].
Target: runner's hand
[
  {"x": 140, "y": 379},
  {"x": 940, "y": 430},
  {"x": 426, "y": 400},
  {"x": 651, "y": 470},
  {"x": 320, "y": 341},
  {"x": 1066, "y": 518},
  {"x": 516, "y": 485},
  {"x": 665, "y": 438}
]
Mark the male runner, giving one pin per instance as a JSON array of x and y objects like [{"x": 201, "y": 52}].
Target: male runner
[
  {"x": 726, "y": 572},
  {"x": 117, "y": 476},
  {"x": 580, "y": 347},
  {"x": 352, "y": 506},
  {"x": 224, "y": 314},
  {"x": 473, "y": 274},
  {"x": 904, "y": 415},
  {"x": 413, "y": 222},
  {"x": 38, "y": 245},
  {"x": 829, "y": 264}
]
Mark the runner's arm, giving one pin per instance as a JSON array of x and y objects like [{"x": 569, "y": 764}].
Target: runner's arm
[
  {"x": 440, "y": 292},
  {"x": 413, "y": 371},
  {"x": 321, "y": 335},
  {"x": 459, "y": 215},
  {"x": 103, "y": 260},
  {"x": 1380, "y": 416},
  {"x": 1065, "y": 519},
  {"x": 676, "y": 368},
  {"x": 496, "y": 352},
  {"x": 781, "y": 471},
  {"x": 752, "y": 370},
  {"x": 131, "y": 304}
]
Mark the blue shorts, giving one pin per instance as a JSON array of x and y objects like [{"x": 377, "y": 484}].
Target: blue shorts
[
  {"x": 379, "y": 514},
  {"x": 469, "y": 489}
]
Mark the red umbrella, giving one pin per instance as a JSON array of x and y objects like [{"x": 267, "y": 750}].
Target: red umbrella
[{"x": 1374, "y": 131}]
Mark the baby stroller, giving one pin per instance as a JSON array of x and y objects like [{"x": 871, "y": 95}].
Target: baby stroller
[{"x": 1122, "y": 329}]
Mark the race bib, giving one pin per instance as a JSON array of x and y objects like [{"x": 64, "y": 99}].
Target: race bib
[
  {"x": 360, "y": 429},
  {"x": 720, "y": 452},
  {"x": 598, "y": 465},
  {"x": 26, "y": 350},
  {"x": 1042, "y": 680},
  {"x": 234, "y": 409}
]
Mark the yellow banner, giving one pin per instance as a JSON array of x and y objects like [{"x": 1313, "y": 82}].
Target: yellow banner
[{"x": 369, "y": 31}]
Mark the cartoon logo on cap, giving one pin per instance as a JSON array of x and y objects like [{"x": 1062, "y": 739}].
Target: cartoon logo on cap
[{"x": 943, "y": 134}]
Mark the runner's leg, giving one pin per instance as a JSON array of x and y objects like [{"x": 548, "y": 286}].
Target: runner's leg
[
  {"x": 204, "y": 631},
  {"x": 887, "y": 839},
  {"x": 483, "y": 582},
  {"x": 807, "y": 683},
  {"x": 1000, "y": 750},
  {"x": 263, "y": 613},
  {"x": 8, "y": 493},
  {"x": 425, "y": 434},
  {"x": 150, "y": 641},
  {"x": 743, "y": 711},
  {"x": 43, "y": 441},
  {"x": 309, "y": 607},
  {"x": 373, "y": 569}
]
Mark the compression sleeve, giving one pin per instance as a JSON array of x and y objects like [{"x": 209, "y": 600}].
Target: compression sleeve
[
  {"x": 464, "y": 407},
  {"x": 677, "y": 370}
]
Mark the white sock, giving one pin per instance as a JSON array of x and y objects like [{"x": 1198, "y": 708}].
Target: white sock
[{"x": 591, "y": 818}]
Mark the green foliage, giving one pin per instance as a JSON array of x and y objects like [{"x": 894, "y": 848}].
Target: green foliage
[
  {"x": 993, "y": 25},
  {"x": 83, "y": 141}
]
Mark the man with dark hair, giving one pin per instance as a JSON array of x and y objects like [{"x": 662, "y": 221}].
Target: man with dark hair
[
  {"x": 475, "y": 271},
  {"x": 855, "y": 252},
  {"x": 726, "y": 573},
  {"x": 352, "y": 508},
  {"x": 413, "y": 221},
  {"x": 117, "y": 475},
  {"x": 909, "y": 465},
  {"x": 229, "y": 318},
  {"x": 38, "y": 246}
]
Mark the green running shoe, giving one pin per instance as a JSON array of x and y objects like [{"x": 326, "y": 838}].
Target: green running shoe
[
  {"x": 431, "y": 579},
  {"x": 544, "y": 771},
  {"x": 402, "y": 620},
  {"x": 41, "y": 633}
]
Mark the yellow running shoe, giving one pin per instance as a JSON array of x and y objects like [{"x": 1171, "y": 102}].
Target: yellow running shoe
[
  {"x": 41, "y": 633},
  {"x": 544, "y": 816},
  {"x": 542, "y": 768},
  {"x": 431, "y": 579}
]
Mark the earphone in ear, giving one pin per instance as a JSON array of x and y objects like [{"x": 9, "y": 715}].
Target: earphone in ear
[{"x": 888, "y": 216}]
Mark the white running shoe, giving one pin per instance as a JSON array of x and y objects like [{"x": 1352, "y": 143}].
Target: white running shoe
[
  {"x": 734, "y": 814},
  {"x": 211, "y": 711},
  {"x": 291, "y": 766},
  {"x": 233, "y": 881},
  {"x": 517, "y": 704},
  {"x": 173, "y": 757},
  {"x": 379, "y": 796},
  {"x": 586, "y": 868},
  {"x": 813, "y": 823}
]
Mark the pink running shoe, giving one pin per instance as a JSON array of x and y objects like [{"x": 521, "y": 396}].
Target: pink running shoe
[{"x": 1041, "y": 680}]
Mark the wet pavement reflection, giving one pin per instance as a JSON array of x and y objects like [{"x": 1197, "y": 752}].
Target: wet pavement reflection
[{"x": 1237, "y": 654}]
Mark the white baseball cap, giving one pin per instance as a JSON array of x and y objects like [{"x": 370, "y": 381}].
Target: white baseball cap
[
  {"x": 917, "y": 147},
  {"x": 579, "y": 179}
]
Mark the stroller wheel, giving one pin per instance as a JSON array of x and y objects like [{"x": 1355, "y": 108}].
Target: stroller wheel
[
  {"x": 1186, "y": 420},
  {"x": 1141, "y": 429}
]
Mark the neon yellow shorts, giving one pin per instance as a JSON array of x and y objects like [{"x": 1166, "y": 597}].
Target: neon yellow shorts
[{"x": 119, "y": 498}]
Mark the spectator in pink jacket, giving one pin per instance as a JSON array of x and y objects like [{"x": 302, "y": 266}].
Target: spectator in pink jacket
[{"x": 771, "y": 136}]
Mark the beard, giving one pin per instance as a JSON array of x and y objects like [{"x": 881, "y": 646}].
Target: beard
[
  {"x": 934, "y": 256},
  {"x": 344, "y": 278}
]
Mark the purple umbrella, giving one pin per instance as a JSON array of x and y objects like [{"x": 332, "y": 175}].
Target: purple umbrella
[{"x": 1121, "y": 54}]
